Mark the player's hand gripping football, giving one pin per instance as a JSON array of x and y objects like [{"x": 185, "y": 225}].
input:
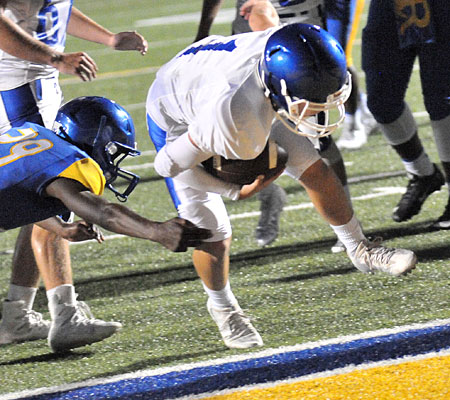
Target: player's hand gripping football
[
  {"x": 257, "y": 185},
  {"x": 178, "y": 234}
]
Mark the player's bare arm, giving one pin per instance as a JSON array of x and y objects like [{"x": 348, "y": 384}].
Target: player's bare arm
[
  {"x": 175, "y": 234},
  {"x": 83, "y": 27},
  {"x": 15, "y": 41},
  {"x": 77, "y": 231},
  {"x": 261, "y": 14}
]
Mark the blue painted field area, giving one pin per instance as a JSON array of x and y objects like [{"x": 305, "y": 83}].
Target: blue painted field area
[{"x": 263, "y": 367}]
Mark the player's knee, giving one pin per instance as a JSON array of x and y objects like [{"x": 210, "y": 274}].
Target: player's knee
[
  {"x": 438, "y": 107},
  {"x": 385, "y": 109}
]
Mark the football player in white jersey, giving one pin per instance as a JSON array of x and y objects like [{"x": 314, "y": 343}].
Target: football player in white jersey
[
  {"x": 32, "y": 38},
  {"x": 339, "y": 15},
  {"x": 219, "y": 97}
]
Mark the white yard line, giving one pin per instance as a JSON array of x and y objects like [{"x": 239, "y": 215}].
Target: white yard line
[
  {"x": 225, "y": 16},
  {"x": 377, "y": 192}
]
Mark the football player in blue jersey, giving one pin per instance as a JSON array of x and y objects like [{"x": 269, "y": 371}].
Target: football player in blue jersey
[
  {"x": 220, "y": 96},
  {"x": 46, "y": 173},
  {"x": 341, "y": 18},
  {"x": 397, "y": 33},
  {"x": 32, "y": 38}
]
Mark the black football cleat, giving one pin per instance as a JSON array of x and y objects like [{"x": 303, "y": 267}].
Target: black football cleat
[{"x": 417, "y": 191}]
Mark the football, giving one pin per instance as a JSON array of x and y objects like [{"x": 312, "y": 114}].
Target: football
[{"x": 243, "y": 172}]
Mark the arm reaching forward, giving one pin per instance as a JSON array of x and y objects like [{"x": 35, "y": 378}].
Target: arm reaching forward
[{"x": 176, "y": 234}]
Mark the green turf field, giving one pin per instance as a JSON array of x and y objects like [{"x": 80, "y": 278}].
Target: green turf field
[{"x": 296, "y": 290}]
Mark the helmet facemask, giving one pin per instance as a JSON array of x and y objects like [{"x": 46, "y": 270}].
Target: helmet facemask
[
  {"x": 109, "y": 154},
  {"x": 298, "y": 115}
]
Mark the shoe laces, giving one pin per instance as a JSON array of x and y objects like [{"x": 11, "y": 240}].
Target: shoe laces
[
  {"x": 79, "y": 313},
  {"x": 238, "y": 322},
  {"x": 375, "y": 255},
  {"x": 33, "y": 318},
  {"x": 84, "y": 314}
]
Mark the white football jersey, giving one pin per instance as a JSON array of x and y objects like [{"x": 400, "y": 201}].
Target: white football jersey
[
  {"x": 212, "y": 90},
  {"x": 44, "y": 20}
]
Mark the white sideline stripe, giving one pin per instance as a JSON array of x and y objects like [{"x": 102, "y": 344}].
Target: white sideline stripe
[
  {"x": 235, "y": 358},
  {"x": 325, "y": 374},
  {"x": 225, "y": 15},
  {"x": 380, "y": 192}
]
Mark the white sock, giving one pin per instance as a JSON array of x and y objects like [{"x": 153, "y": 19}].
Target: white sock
[
  {"x": 65, "y": 294},
  {"x": 221, "y": 298},
  {"x": 24, "y": 293},
  {"x": 421, "y": 166},
  {"x": 350, "y": 234}
]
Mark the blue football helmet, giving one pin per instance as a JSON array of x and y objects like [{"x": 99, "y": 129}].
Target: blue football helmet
[
  {"x": 304, "y": 72},
  {"x": 105, "y": 131}
]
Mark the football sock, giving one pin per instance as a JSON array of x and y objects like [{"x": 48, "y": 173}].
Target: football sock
[
  {"x": 421, "y": 166},
  {"x": 24, "y": 293},
  {"x": 350, "y": 234},
  {"x": 441, "y": 128},
  {"x": 401, "y": 130},
  {"x": 221, "y": 298},
  {"x": 62, "y": 294}
]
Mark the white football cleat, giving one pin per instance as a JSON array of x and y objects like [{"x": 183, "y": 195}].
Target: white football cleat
[
  {"x": 75, "y": 326},
  {"x": 371, "y": 257},
  {"x": 235, "y": 327},
  {"x": 353, "y": 134},
  {"x": 20, "y": 324},
  {"x": 338, "y": 247}
]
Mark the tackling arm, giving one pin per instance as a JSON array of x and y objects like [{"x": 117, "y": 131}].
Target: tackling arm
[{"x": 176, "y": 234}]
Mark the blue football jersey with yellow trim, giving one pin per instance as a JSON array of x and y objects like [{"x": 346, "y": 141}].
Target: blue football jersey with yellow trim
[{"x": 31, "y": 157}]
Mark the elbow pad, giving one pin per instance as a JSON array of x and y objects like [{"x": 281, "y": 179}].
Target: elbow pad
[{"x": 178, "y": 156}]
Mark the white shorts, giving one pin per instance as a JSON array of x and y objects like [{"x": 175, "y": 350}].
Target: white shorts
[
  {"x": 207, "y": 210},
  {"x": 37, "y": 101},
  {"x": 204, "y": 209}
]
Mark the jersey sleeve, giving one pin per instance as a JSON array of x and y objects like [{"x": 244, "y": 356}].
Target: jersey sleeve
[{"x": 88, "y": 173}]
